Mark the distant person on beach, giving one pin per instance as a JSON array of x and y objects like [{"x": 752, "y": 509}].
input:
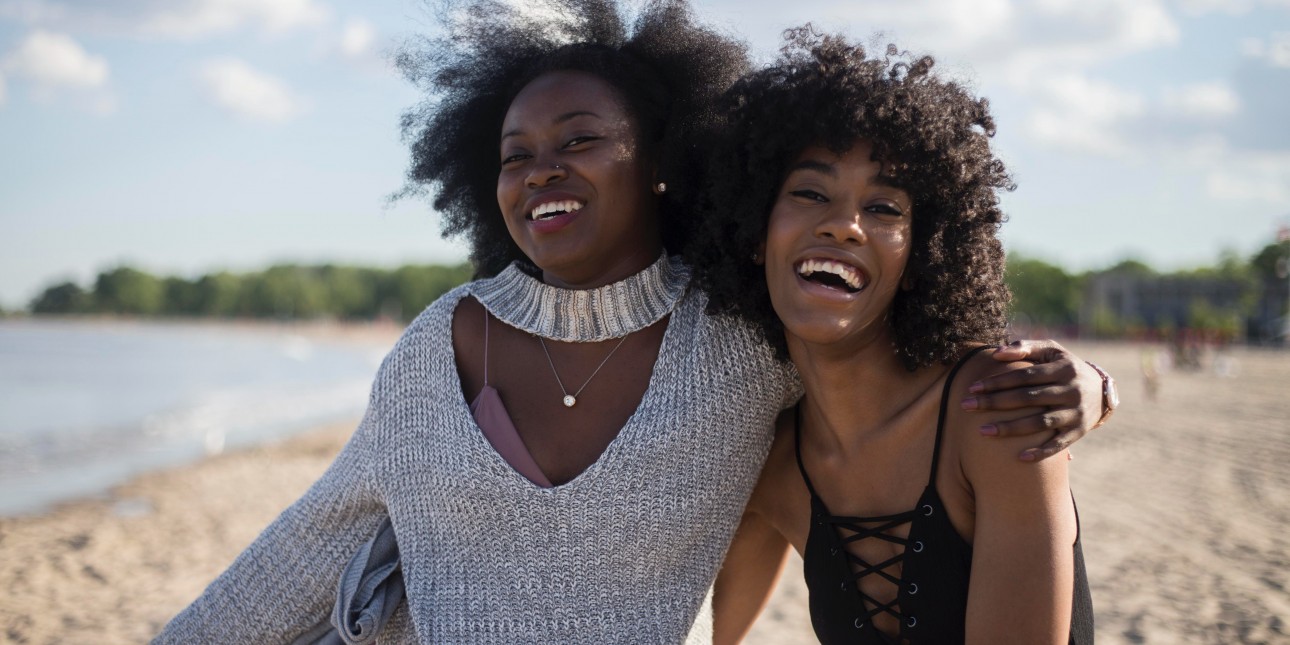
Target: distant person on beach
[
  {"x": 564, "y": 447},
  {"x": 866, "y": 189}
]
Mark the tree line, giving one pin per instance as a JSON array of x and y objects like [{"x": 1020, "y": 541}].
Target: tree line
[
  {"x": 1048, "y": 295},
  {"x": 285, "y": 291},
  {"x": 1043, "y": 293}
]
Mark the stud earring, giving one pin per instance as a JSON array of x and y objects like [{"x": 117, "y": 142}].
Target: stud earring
[
  {"x": 756, "y": 257},
  {"x": 660, "y": 188}
]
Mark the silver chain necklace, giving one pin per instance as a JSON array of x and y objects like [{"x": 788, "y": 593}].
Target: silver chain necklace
[{"x": 572, "y": 399}]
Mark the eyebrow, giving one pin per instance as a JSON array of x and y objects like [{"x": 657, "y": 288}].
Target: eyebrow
[
  {"x": 567, "y": 116},
  {"x": 817, "y": 166},
  {"x": 828, "y": 169}
]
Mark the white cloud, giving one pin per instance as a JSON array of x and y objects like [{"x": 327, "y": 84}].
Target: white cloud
[
  {"x": 1203, "y": 101},
  {"x": 190, "y": 19},
  {"x": 247, "y": 92},
  {"x": 1021, "y": 41},
  {"x": 1082, "y": 114},
  {"x": 1275, "y": 51},
  {"x": 1260, "y": 177},
  {"x": 52, "y": 61},
  {"x": 1230, "y": 7},
  {"x": 357, "y": 38},
  {"x": 1237, "y": 174}
]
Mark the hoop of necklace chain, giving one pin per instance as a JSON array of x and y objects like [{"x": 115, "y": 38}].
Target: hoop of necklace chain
[{"x": 572, "y": 399}]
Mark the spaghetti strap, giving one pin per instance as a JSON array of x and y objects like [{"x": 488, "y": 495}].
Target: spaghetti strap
[
  {"x": 945, "y": 400},
  {"x": 797, "y": 447}
]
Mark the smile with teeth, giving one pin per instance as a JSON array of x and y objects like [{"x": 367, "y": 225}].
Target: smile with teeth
[
  {"x": 551, "y": 209},
  {"x": 831, "y": 273}
]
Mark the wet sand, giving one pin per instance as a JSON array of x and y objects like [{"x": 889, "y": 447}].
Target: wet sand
[{"x": 1184, "y": 504}]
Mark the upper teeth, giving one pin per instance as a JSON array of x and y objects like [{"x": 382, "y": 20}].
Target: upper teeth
[
  {"x": 845, "y": 271},
  {"x": 567, "y": 205}
]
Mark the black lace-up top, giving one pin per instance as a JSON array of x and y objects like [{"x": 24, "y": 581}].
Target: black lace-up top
[{"x": 932, "y": 571}]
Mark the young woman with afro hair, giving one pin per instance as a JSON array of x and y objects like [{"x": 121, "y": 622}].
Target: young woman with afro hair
[
  {"x": 559, "y": 451},
  {"x": 862, "y": 193}
]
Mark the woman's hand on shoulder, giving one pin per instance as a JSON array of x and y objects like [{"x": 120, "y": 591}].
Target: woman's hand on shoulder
[{"x": 1063, "y": 392}]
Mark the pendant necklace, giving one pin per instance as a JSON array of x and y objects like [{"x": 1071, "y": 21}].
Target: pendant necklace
[{"x": 572, "y": 399}]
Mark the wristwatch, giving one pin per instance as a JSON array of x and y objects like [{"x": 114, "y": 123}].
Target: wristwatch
[{"x": 1110, "y": 395}]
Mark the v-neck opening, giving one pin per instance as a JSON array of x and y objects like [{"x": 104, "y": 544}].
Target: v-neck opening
[{"x": 625, "y": 433}]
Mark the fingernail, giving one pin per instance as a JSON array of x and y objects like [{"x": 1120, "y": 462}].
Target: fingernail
[
  {"x": 989, "y": 430},
  {"x": 970, "y": 403},
  {"x": 976, "y": 388},
  {"x": 1027, "y": 456}
]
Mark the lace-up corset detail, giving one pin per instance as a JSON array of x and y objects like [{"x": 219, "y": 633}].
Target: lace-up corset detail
[{"x": 934, "y": 564}]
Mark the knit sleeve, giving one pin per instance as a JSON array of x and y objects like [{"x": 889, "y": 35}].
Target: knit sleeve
[{"x": 285, "y": 582}]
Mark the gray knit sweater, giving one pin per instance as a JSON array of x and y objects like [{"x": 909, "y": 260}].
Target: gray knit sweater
[{"x": 624, "y": 553}]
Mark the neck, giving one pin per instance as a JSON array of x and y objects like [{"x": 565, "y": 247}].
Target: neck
[
  {"x": 852, "y": 392},
  {"x": 615, "y": 270}
]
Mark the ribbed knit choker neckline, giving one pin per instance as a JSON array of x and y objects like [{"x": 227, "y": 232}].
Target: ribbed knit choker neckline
[{"x": 584, "y": 316}]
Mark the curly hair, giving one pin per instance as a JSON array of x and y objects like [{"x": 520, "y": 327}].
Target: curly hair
[
  {"x": 825, "y": 91},
  {"x": 668, "y": 70}
]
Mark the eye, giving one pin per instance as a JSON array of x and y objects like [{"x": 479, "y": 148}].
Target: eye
[
  {"x": 885, "y": 209},
  {"x": 580, "y": 140},
  {"x": 510, "y": 159},
  {"x": 809, "y": 195}
]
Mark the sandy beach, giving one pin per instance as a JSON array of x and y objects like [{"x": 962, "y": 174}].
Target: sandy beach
[{"x": 1184, "y": 503}]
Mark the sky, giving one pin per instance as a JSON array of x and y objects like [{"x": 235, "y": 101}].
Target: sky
[{"x": 186, "y": 136}]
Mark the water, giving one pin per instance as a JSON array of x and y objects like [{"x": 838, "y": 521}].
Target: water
[{"x": 84, "y": 406}]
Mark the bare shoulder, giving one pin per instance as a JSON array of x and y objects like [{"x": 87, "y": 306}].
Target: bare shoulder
[
  {"x": 773, "y": 494},
  {"x": 779, "y": 463}
]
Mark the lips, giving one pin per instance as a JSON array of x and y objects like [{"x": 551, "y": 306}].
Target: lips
[{"x": 832, "y": 274}]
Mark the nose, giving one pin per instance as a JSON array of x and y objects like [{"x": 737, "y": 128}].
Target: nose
[
  {"x": 843, "y": 225},
  {"x": 544, "y": 174}
]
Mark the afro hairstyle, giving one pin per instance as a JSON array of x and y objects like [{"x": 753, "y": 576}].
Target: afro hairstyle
[
  {"x": 668, "y": 69},
  {"x": 826, "y": 91}
]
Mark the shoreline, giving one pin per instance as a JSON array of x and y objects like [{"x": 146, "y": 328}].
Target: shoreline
[
  {"x": 47, "y": 458},
  {"x": 115, "y": 569},
  {"x": 359, "y": 332}
]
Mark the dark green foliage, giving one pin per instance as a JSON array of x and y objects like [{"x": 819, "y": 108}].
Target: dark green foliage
[
  {"x": 410, "y": 288},
  {"x": 61, "y": 299},
  {"x": 1045, "y": 294},
  {"x": 217, "y": 294},
  {"x": 126, "y": 290},
  {"x": 1272, "y": 262},
  {"x": 283, "y": 291}
]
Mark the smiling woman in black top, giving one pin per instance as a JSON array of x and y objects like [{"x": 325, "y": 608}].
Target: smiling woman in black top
[{"x": 870, "y": 199}]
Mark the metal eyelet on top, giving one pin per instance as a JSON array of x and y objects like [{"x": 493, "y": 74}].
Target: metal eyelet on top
[
  {"x": 859, "y": 624},
  {"x": 918, "y": 547},
  {"x": 913, "y": 588},
  {"x": 912, "y": 621},
  {"x": 927, "y": 512}
]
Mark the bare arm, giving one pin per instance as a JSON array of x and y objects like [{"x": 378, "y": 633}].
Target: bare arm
[
  {"x": 1023, "y": 533},
  {"x": 747, "y": 578}
]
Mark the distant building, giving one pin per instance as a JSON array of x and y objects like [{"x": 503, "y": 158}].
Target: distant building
[
  {"x": 1116, "y": 302},
  {"x": 1268, "y": 323}
]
